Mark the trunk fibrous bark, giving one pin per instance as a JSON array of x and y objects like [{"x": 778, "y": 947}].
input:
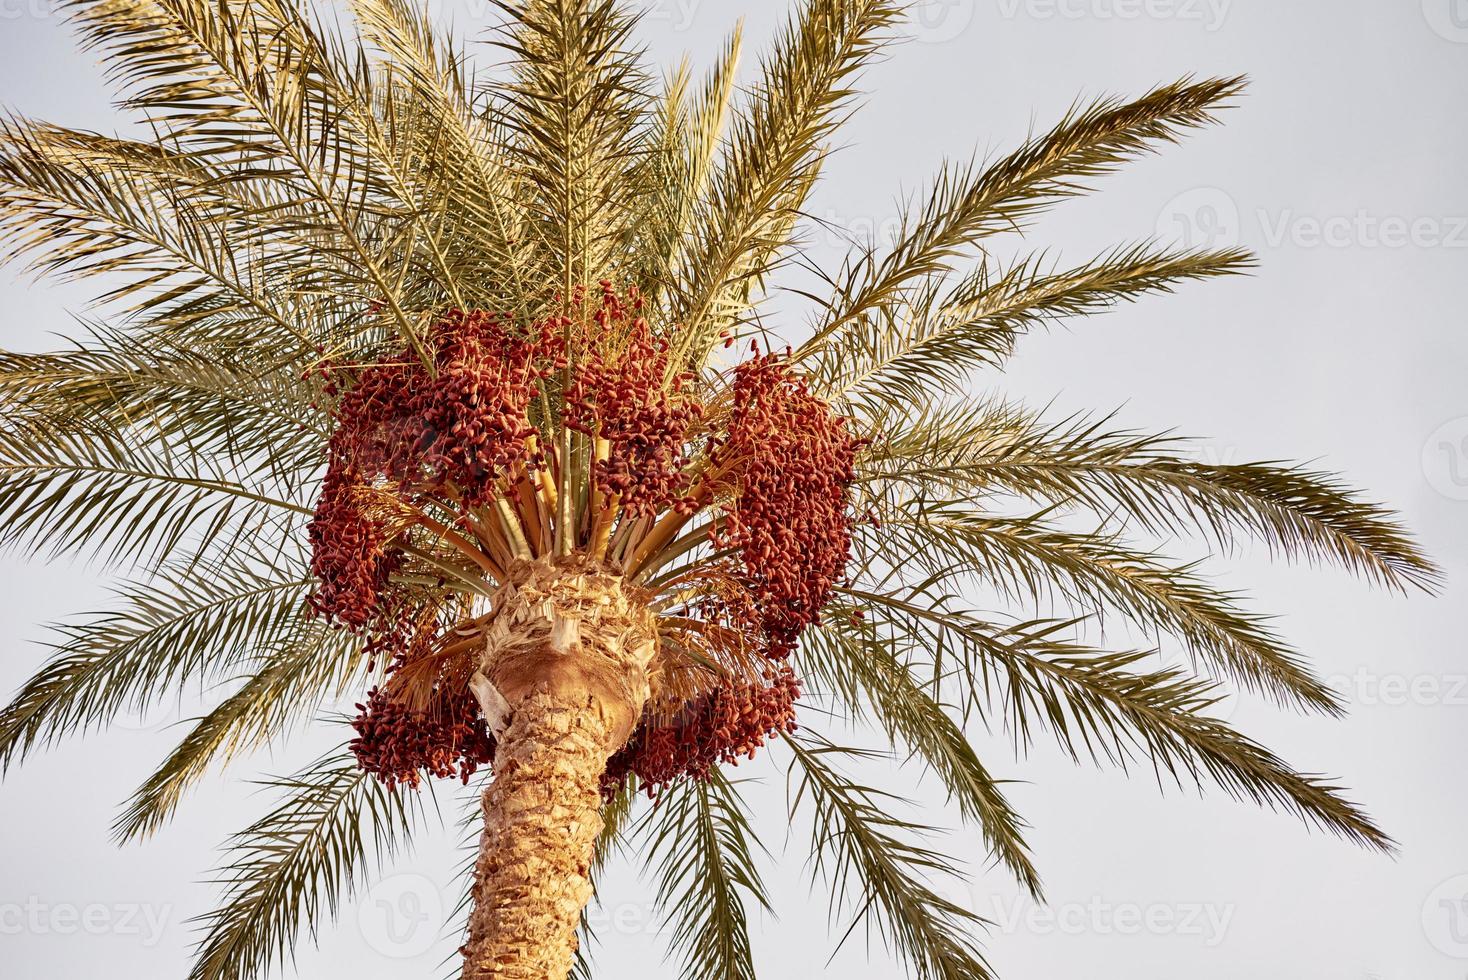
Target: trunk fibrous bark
[{"x": 564, "y": 678}]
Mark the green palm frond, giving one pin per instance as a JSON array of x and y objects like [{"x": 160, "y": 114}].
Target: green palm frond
[
  {"x": 463, "y": 176},
  {"x": 685, "y": 144},
  {"x": 171, "y": 231},
  {"x": 184, "y": 625},
  {"x": 868, "y": 856},
  {"x": 293, "y": 867},
  {"x": 1029, "y": 559},
  {"x": 1098, "y": 708},
  {"x": 774, "y": 153},
  {"x": 256, "y": 91},
  {"x": 936, "y": 337},
  {"x": 968, "y": 205},
  {"x": 698, "y": 851},
  {"x": 1150, "y": 479},
  {"x": 287, "y": 687},
  {"x": 72, "y": 484},
  {"x": 870, "y": 676},
  {"x": 200, "y": 402},
  {"x": 574, "y": 111}
]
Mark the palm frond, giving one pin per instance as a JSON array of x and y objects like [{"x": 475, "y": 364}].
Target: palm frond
[
  {"x": 293, "y": 866},
  {"x": 698, "y": 851},
  {"x": 187, "y": 625},
  {"x": 939, "y": 336},
  {"x": 1098, "y": 708},
  {"x": 866, "y": 672},
  {"x": 167, "y": 230},
  {"x": 685, "y": 142},
  {"x": 867, "y": 855},
  {"x": 774, "y": 152},
  {"x": 287, "y": 687},
  {"x": 966, "y": 206},
  {"x": 444, "y": 160},
  {"x": 1026, "y": 558},
  {"x": 1151, "y": 480},
  {"x": 574, "y": 111},
  {"x": 202, "y": 402},
  {"x": 255, "y": 89},
  {"x": 70, "y": 484}
]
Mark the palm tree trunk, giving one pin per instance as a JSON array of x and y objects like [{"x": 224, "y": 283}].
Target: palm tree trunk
[
  {"x": 541, "y": 821},
  {"x": 563, "y": 681}
]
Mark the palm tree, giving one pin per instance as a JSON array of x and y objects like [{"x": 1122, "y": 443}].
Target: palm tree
[{"x": 451, "y": 392}]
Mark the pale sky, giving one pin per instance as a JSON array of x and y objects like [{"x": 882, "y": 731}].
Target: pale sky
[{"x": 1344, "y": 168}]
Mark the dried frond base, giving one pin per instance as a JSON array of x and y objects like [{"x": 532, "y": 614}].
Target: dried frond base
[{"x": 571, "y": 628}]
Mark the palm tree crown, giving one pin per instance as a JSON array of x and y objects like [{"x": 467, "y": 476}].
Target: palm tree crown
[{"x": 396, "y": 354}]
